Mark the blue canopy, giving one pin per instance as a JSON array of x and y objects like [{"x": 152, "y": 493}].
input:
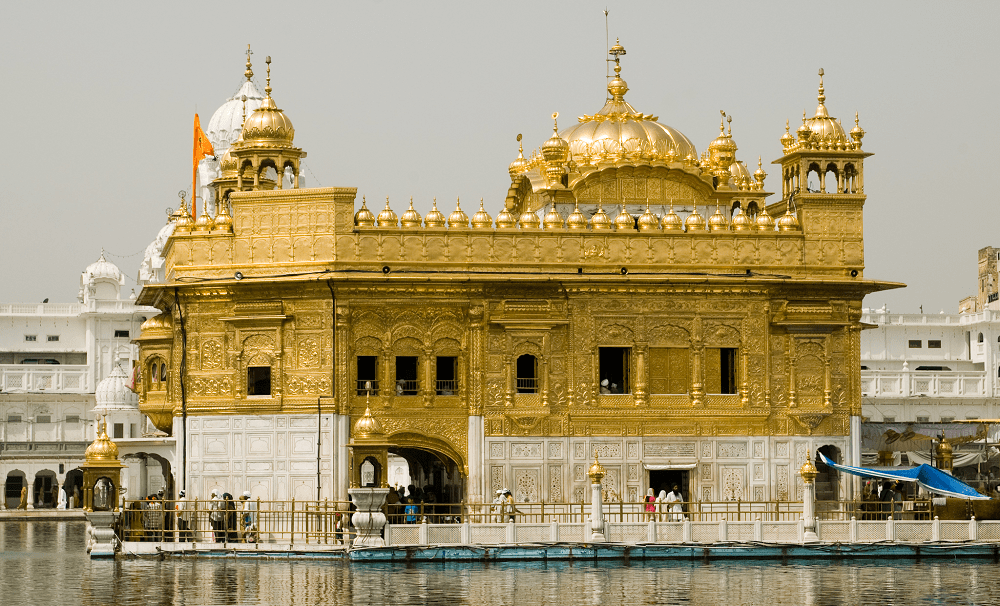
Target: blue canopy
[{"x": 929, "y": 478}]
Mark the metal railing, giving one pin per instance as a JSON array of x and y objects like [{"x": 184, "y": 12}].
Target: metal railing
[
  {"x": 447, "y": 388},
  {"x": 236, "y": 521},
  {"x": 407, "y": 388},
  {"x": 367, "y": 386},
  {"x": 527, "y": 385}
]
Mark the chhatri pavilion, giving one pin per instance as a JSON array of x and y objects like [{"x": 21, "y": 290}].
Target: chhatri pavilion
[{"x": 629, "y": 299}]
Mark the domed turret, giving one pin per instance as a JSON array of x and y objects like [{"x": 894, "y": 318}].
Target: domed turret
[
  {"x": 672, "y": 221},
  {"x": 576, "y": 220},
  {"x": 787, "y": 139},
  {"x": 227, "y": 122},
  {"x": 183, "y": 222},
  {"x": 159, "y": 322},
  {"x": 113, "y": 392},
  {"x": 741, "y": 222},
  {"x": 529, "y": 220},
  {"x": 519, "y": 164},
  {"x": 411, "y": 218},
  {"x": 857, "y": 133},
  {"x": 648, "y": 221},
  {"x": 759, "y": 175},
  {"x": 788, "y": 221},
  {"x": 434, "y": 218},
  {"x": 553, "y": 220},
  {"x": 482, "y": 219},
  {"x": 458, "y": 219},
  {"x": 267, "y": 126},
  {"x": 102, "y": 269},
  {"x": 556, "y": 149},
  {"x": 102, "y": 449},
  {"x": 694, "y": 221},
  {"x": 600, "y": 220},
  {"x": 387, "y": 218},
  {"x": 506, "y": 220},
  {"x": 364, "y": 217},
  {"x": 826, "y": 132},
  {"x": 718, "y": 221},
  {"x": 624, "y": 221},
  {"x": 764, "y": 221}
]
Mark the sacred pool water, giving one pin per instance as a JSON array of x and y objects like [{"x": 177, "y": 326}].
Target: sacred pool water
[{"x": 45, "y": 563}]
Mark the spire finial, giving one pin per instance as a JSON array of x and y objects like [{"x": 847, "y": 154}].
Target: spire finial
[
  {"x": 555, "y": 122},
  {"x": 520, "y": 146},
  {"x": 821, "y": 97},
  {"x": 856, "y": 119},
  {"x": 267, "y": 89},
  {"x": 722, "y": 122},
  {"x": 786, "y": 126},
  {"x": 729, "y": 121},
  {"x": 243, "y": 123},
  {"x": 249, "y": 72}
]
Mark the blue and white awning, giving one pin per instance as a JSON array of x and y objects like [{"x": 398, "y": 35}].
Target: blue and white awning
[{"x": 929, "y": 478}]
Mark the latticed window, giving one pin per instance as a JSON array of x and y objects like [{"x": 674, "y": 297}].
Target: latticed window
[
  {"x": 157, "y": 375},
  {"x": 669, "y": 370}
]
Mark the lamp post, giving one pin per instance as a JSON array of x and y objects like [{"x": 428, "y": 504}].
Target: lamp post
[
  {"x": 368, "y": 445},
  {"x": 596, "y": 474},
  {"x": 808, "y": 472}
]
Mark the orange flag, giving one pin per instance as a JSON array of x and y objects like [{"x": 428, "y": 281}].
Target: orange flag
[{"x": 202, "y": 148}]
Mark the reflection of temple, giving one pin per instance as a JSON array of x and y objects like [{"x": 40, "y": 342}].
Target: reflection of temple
[{"x": 680, "y": 343}]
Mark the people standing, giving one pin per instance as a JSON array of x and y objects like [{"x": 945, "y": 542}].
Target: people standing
[
  {"x": 232, "y": 531},
  {"x": 183, "y": 517},
  {"x": 509, "y": 509},
  {"x": 661, "y": 506},
  {"x": 249, "y": 518},
  {"x": 675, "y": 498},
  {"x": 650, "y": 504},
  {"x": 497, "y": 507},
  {"x": 217, "y": 517},
  {"x": 24, "y": 498}
]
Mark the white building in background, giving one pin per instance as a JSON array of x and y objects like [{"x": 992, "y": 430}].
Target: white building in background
[{"x": 54, "y": 361}]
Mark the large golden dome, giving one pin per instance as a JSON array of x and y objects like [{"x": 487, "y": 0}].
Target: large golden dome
[
  {"x": 368, "y": 426},
  {"x": 825, "y": 130},
  {"x": 102, "y": 450},
  {"x": 267, "y": 126}
]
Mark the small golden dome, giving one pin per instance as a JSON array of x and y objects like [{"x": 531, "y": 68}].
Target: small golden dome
[
  {"x": 506, "y": 220},
  {"x": 411, "y": 218},
  {"x": 458, "y": 219},
  {"x": 364, "y": 217},
  {"x": 184, "y": 221},
  {"x": 648, "y": 221},
  {"x": 596, "y": 471},
  {"x": 764, "y": 221},
  {"x": 804, "y": 131},
  {"x": 759, "y": 175},
  {"x": 553, "y": 220},
  {"x": 857, "y": 133},
  {"x": 268, "y": 126},
  {"x": 102, "y": 449},
  {"x": 671, "y": 221},
  {"x": 787, "y": 139},
  {"x": 482, "y": 219},
  {"x": 368, "y": 426},
  {"x": 808, "y": 471},
  {"x": 228, "y": 166},
  {"x": 556, "y": 149},
  {"x": 222, "y": 221},
  {"x": 694, "y": 221},
  {"x": 741, "y": 222},
  {"x": 718, "y": 221},
  {"x": 624, "y": 221},
  {"x": 163, "y": 321},
  {"x": 600, "y": 220},
  {"x": 788, "y": 222},
  {"x": 576, "y": 220},
  {"x": 434, "y": 218},
  {"x": 742, "y": 179},
  {"x": 519, "y": 164},
  {"x": 529, "y": 220},
  {"x": 722, "y": 151},
  {"x": 204, "y": 222},
  {"x": 387, "y": 218}
]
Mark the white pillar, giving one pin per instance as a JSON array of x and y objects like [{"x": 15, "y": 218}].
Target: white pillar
[
  {"x": 855, "y": 457},
  {"x": 808, "y": 473},
  {"x": 475, "y": 490},
  {"x": 342, "y": 460},
  {"x": 596, "y": 514}
]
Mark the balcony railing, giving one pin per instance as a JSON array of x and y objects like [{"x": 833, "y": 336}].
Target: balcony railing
[
  {"x": 527, "y": 385},
  {"x": 898, "y": 384},
  {"x": 49, "y": 378},
  {"x": 406, "y": 387},
  {"x": 367, "y": 387},
  {"x": 447, "y": 388}
]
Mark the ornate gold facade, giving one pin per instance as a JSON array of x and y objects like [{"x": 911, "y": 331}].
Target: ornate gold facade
[{"x": 303, "y": 284}]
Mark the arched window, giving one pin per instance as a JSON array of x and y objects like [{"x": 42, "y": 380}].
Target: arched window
[
  {"x": 157, "y": 375},
  {"x": 527, "y": 374},
  {"x": 980, "y": 337}
]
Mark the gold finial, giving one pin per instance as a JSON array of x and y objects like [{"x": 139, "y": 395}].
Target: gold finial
[
  {"x": 786, "y": 126},
  {"x": 555, "y": 122},
  {"x": 722, "y": 123},
  {"x": 803, "y": 116},
  {"x": 249, "y": 72},
  {"x": 244, "y": 122},
  {"x": 520, "y": 146},
  {"x": 617, "y": 50},
  {"x": 729, "y": 121},
  {"x": 267, "y": 89},
  {"x": 821, "y": 97}
]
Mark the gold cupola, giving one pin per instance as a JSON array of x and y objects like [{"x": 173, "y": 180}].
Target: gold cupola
[
  {"x": 482, "y": 219},
  {"x": 672, "y": 221},
  {"x": 102, "y": 449},
  {"x": 506, "y": 219},
  {"x": 826, "y": 131},
  {"x": 764, "y": 221},
  {"x": 368, "y": 427},
  {"x": 857, "y": 133},
  {"x": 787, "y": 140},
  {"x": 553, "y": 220},
  {"x": 411, "y": 218},
  {"x": 159, "y": 322},
  {"x": 788, "y": 221},
  {"x": 718, "y": 221},
  {"x": 387, "y": 218},
  {"x": 600, "y": 220},
  {"x": 268, "y": 126},
  {"x": 434, "y": 218},
  {"x": 555, "y": 149},
  {"x": 648, "y": 221},
  {"x": 759, "y": 175},
  {"x": 204, "y": 222},
  {"x": 364, "y": 217},
  {"x": 519, "y": 164},
  {"x": 694, "y": 221},
  {"x": 529, "y": 220},
  {"x": 804, "y": 132},
  {"x": 741, "y": 222},
  {"x": 576, "y": 220},
  {"x": 184, "y": 222},
  {"x": 624, "y": 221},
  {"x": 458, "y": 219}
]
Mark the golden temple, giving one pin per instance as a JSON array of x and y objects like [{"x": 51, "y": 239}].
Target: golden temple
[{"x": 697, "y": 334}]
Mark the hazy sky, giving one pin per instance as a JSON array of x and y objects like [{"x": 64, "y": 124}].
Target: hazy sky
[{"x": 425, "y": 99}]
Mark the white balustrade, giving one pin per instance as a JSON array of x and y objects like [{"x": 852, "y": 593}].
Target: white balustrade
[{"x": 48, "y": 378}]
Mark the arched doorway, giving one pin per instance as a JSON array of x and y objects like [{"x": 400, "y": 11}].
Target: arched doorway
[
  {"x": 12, "y": 489},
  {"x": 74, "y": 489},
  {"x": 147, "y": 473},
  {"x": 45, "y": 489},
  {"x": 827, "y": 484},
  {"x": 436, "y": 474}
]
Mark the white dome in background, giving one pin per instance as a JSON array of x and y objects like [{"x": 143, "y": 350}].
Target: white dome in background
[
  {"x": 113, "y": 391},
  {"x": 103, "y": 269},
  {"x": 152, "y": 260},
  {"x": 227, "y": 121}
]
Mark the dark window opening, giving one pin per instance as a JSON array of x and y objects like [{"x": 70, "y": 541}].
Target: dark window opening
[
  {"x": 614, "y": 363},
  {"x": 367, "y": 375},
  {"x": 864, "y": 367},
  {"x": 980, "y": 337},
  {"x": 258, "y": 380},
  {"x": 73, "y": 418},
  {"x": 406, "y": 376},
  {"x": 39, "y": 361},
  {"x": 915, "y": 344},
  {"x": 52, "y": 338},
  {"x": 934, "y": 344},
  {"x": 43, "y": 419},
  {"x": 119, "y": 431},
  {"x": 447, "y": 375},
  {"x": 527, "y": 374},
  {"x": 669, "y": 370},
  {"x": 720, "y": 370},
  {"x": 163, "y": 373},
  {"x": 121, "y": 334},
  {"x": 939, "y": 368}
]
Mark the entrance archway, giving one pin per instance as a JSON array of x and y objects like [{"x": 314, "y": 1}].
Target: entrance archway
[
  {"x": 436, "y": 473},
  {"x": 74, "y": 489},
  {"x": 827, "y": 485},
  {"x": 45, "y": 489},
  {"x": 12, "y": 489},
  {"x": 146, "y": 474}
]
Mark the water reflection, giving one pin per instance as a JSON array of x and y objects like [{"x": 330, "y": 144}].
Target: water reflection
[{"x": 45, "y": 563}]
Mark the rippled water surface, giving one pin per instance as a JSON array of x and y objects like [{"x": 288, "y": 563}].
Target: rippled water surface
[{"x": 45, "y": 563}]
